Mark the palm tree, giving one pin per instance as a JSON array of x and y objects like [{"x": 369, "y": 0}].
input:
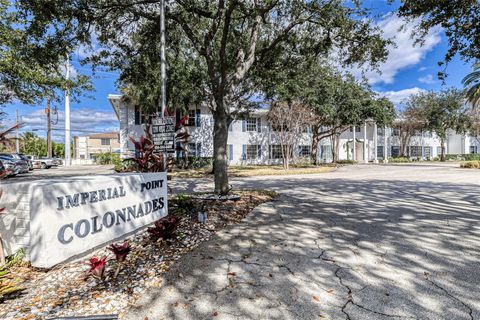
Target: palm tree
[{"x": 472, "y": 82}]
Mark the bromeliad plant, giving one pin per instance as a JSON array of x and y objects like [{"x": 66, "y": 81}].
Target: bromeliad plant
[
  {"x": 165, "y": 228},
  {"x": 146, "y": 160},
  {"x": 120, "y": 251},
  {"x": 97, "y": 267}
]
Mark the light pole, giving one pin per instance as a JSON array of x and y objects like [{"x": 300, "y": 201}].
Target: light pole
[
  {"x": 163, "y": 73},
  {"x": 68, "y": 160},
  {"x": 17, "y": 135}
]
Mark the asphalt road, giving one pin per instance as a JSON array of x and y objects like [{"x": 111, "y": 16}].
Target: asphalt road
[{"x": 363, "y": 242}]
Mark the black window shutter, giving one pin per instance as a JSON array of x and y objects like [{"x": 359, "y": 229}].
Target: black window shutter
[
  {"x": 137, "y": 115},
  {"x": 197, "y": 118}
]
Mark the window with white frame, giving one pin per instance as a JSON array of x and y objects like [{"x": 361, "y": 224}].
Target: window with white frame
[
  {"x": 415, "y": 151},
  {"x": 427, "y": 134},
  {"x": 439, "y": 151},
  {"x": 105, "y": 141},
  {"x": 380, "y": 151},
  {"x": 252, "y": 152},
  {"x": 325, "y": 152},
  {"x": 428, "y": 152},
  {"x": 192, "y": 149},
  {"x": 251, "y": 124},
  {"x": 304, "y": 151},
  {"x": 473, "y": 149},
  {"x": 395, "y": 132},
  {"x": 357, "y": 129},
  {"x": 276, "y": 151},
  {"x": 192, "y": 118},
  {"x": 395, "y": 151}
]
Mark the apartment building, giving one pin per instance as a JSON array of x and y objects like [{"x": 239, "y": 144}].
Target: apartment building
[
  {"x": 253, "y": 140},
  {"x": 86, "y": 147}
]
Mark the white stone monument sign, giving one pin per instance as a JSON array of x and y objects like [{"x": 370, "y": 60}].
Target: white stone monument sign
[{"x": 69, "y": 218}]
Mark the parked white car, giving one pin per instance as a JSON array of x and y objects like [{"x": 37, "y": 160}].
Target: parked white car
[{"x": 45, "y": 163}]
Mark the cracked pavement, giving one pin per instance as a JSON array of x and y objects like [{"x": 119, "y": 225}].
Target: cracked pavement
[{"x": 363, "y": 242}]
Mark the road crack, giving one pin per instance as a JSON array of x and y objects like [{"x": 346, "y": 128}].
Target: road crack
[{"x": 470, "y": 310}]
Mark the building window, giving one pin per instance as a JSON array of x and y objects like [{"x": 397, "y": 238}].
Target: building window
[
  {"x": 252, "y": 152},
  {"x": 473, "y": 149},
  {"x": 396, "y": 132},
  {"x": 427, "y": 134},
  {"x": 380, "y": 151},
  {"x": 251, "y": 124},
  {"x": 304, "y": 151},
  {"x": 395, "y": 151},
  {"x": 276, "y": 151},
  {"x": 428, "y": 152},
  {"x": 380, "y": 131},
  {"x": 105, "y": 142},
  {"x": 439, "y": 151},
  {"x": 192, "y": 116},
  {"x": 415, "y": 151},
  {"x": 307, "y": 129},
  {"x": 357, "y": 129},
  {"x": 325, "y": 152},
  {"x": 230, "y": 152}
]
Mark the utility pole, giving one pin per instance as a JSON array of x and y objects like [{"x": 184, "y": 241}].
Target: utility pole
[
  {"x": 17, "y": 134},
  {"x": 49, "y": 129},
  {"x": 68, "y": 159}
]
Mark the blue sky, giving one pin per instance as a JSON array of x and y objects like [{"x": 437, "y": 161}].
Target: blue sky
[{"x": 409, "y": 69}]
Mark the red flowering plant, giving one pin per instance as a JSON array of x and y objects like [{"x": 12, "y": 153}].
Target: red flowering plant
[
  {"x": 164, "y": 228},
  {"x": 146, "y": 160},
  {"x": 97, "y": 267},
  {"x": 120, "y": 251}
]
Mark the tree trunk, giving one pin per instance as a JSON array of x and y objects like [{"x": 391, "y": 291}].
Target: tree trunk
[
  {"x": 442, "y": 147},
  {"x": 315, "y": 140},
  {"x": 335, "y": 147},
  {"x": 220, "y": 136}
]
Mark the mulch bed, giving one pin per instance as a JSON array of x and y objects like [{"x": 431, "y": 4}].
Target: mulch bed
[{"x": 65, "y": 291}]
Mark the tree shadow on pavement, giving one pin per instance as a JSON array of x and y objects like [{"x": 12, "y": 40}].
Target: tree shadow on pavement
[{"x": 337, "y": 249}]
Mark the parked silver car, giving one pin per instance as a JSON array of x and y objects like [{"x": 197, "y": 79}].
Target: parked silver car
[{"x": 16, "y": 165}]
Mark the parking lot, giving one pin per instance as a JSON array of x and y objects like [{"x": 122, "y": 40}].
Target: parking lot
[{"x": 60, "y": 171}]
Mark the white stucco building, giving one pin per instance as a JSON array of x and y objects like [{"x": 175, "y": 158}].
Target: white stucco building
[{"x": 252, "y": 140}]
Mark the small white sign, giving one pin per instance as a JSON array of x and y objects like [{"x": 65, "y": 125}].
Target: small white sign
[{"x": 74, "y": 217}]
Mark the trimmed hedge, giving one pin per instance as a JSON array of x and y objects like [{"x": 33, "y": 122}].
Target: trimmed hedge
[
  {"x": 399, "y": 160},
  {"x": 463, "y": 157}
]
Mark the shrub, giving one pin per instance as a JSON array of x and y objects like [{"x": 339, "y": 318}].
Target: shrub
[
  {"x": 470, "y": 165},
  {"x": 399, "y": 160},
  {"x": 453, "y": 157},
  {"x": 108, "y": 158},
  {"x": 194, "y": 162},
  {"x": 463, "y": 157},
  {"x": 184, "y": 203},
  {"x": 471, "y": 157},
  {"x": 346, "y": 162},
  {"x": 164, "y": 228}
]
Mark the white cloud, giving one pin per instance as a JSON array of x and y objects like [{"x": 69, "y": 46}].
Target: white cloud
[
  {"x": 397, "y": 97},
  {"x": 83, "y": 121},
  {"x": 422, "y": 69},
  {"x": 428, "y": 79},
  {"x": 405, "y": 53}
]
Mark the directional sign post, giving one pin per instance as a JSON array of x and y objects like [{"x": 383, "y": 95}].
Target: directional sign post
[{"x": 163, "y": 133}]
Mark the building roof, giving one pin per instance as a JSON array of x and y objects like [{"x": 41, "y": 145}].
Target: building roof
[{"x": 104, "y": 135}]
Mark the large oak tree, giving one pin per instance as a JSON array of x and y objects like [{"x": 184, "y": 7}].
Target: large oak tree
[{"x": 231, "y": 43}]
